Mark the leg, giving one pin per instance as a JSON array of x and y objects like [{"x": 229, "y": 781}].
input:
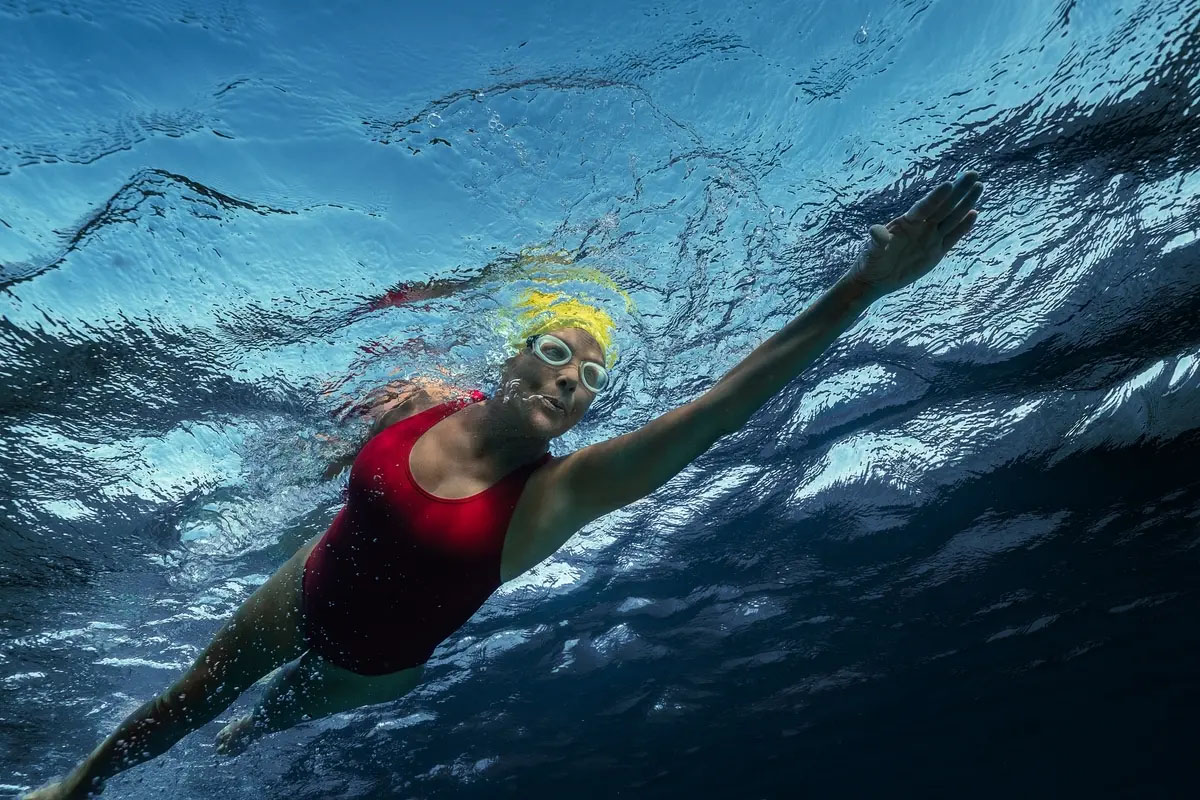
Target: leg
[
  {"x": 311, "y": 688},
  {"x": 263, "y": 633}
]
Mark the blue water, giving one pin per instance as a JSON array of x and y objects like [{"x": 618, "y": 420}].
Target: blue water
[{"x": 957, "y": 557}]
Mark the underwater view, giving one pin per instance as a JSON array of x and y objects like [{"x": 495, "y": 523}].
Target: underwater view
[{"x": 951, "y": 549}]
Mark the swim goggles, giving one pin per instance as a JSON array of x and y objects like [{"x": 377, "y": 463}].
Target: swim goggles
[{"x": 555, "y": 352}]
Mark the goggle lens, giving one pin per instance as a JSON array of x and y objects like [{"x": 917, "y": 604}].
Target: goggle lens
[
  {"x": 594, "y": 376},
  {"x": 553, "y": 351}
]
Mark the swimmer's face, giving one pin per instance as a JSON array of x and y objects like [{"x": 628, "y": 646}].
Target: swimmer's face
[{"x": 528, "y": 379}]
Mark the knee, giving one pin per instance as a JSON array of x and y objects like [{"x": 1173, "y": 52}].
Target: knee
[{"x": 196, "y": 699}]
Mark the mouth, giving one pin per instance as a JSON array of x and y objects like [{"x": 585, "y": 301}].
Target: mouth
[{"x": 552, "y": 403}]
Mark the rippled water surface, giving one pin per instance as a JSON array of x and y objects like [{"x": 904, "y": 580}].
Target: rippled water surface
[{"x": 956, "y": 557}]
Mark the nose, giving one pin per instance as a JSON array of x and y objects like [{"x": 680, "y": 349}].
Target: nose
[{"x": 565, "y": 381}]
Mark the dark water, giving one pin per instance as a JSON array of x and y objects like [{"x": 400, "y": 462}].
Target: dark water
[{"x": 957, "y": 557}]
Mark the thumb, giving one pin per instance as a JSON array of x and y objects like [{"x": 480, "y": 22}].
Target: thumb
[{"x": 880, "y": 235}]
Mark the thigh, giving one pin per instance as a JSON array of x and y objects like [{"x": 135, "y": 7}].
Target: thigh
[
  {"x": 271, "y": 618},
  {"x": 265, "y": 631}
]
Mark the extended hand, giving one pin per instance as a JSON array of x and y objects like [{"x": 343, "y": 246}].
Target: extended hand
[{"x": 912, "y": 244}]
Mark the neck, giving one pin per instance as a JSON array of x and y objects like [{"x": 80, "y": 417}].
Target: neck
[{"x": 495, "y": 436}]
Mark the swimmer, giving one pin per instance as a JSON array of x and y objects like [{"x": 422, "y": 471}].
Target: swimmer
[{"x": 450, "y": 498}]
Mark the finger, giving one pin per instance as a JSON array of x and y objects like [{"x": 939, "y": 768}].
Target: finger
[
  {"x": 960, "y": 211},
  {"x": 880, "y": 235},
  {"x": 962, "y": 187},
  {"x": 953, "y": 236},
  {"x": 923, "y": 208}
]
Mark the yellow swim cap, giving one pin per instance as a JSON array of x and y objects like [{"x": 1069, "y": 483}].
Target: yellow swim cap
[
  {"x": 550, "y": 304},
  {"x": 538, "y": 312}
]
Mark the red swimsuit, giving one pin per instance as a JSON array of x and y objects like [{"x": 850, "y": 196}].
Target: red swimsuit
[{"x": 400, "y": 569}]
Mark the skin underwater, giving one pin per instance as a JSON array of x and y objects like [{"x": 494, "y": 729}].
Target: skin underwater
[{"x": 544, "y": 394}]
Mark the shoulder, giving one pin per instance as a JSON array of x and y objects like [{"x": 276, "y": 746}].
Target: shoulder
[
  {"x": 401, "y": 399},
  {"x": 435, "y": 391}
]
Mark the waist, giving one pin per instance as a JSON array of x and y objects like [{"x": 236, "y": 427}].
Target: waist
[{"x": 374, "y": 615}]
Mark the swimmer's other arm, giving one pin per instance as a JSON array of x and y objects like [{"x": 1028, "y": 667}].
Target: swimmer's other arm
[{"x": 603, "y": 477}]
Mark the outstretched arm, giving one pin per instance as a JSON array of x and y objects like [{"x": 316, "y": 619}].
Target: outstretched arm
[{"x": 606, "y": 476}]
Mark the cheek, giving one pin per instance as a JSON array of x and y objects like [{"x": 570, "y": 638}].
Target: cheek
[{"x": 520, "y": 372}]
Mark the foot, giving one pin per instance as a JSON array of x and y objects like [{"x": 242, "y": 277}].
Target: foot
[{"x": 237, "y": 735}]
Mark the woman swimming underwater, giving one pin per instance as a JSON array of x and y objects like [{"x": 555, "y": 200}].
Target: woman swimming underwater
[{"x": 449, "y": 499}]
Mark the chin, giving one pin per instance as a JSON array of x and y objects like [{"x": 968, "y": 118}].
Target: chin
[
  {"x": 541, "y": 420},
  {"x": 556, "y": 424}
]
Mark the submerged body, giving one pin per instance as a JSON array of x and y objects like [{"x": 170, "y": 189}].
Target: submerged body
[
  {"x": 400, "y": 568},
  {"x": 479, "y": 474}
]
